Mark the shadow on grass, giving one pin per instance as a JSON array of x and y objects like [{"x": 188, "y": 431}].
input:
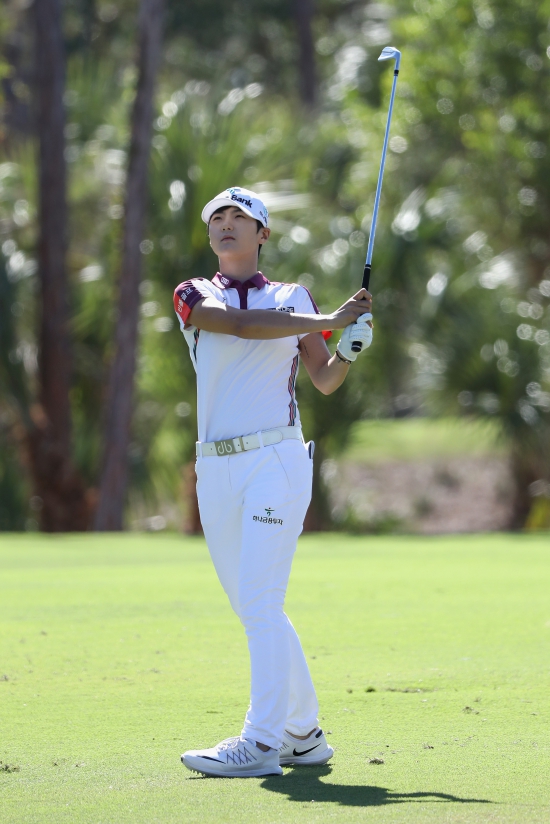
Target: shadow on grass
[{"x": 304, "y": 784}]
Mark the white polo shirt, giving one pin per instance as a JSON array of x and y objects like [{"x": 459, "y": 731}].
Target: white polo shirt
[{"x": 243, "y": 386}]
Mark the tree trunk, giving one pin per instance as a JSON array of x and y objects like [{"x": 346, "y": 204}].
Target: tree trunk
[
  {"x": 303, "y": 14},
  {"x": 118, "y": 415},
  {"x": 65, "y": 507}
]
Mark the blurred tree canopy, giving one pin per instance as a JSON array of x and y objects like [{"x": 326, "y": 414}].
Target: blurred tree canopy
[{"x": 461, "y": 275}]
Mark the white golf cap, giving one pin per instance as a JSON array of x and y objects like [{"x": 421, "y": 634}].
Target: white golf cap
[{"x": 247, "y": 201}]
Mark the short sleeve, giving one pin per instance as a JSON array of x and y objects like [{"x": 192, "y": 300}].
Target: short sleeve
[
  {"x": 187, "y": 295},
  {"x": 307, "y": 306}
]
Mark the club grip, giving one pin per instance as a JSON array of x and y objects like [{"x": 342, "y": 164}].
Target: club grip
[
  {"x": 366, "y": 276},
  {"x": 356, "y": 346}
]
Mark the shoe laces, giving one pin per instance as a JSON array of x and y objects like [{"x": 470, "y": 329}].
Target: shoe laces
[
  {"x": 229, "y": 743},
  {"x": 237, "y": 751}
]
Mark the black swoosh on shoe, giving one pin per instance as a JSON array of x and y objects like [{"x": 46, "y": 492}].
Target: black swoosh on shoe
[{"x": 304, "y": 752}]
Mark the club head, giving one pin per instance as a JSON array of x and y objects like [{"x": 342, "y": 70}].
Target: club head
[{"x": 389, "y": 53}]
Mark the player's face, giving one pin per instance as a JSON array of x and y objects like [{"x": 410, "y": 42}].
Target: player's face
[{"x": 234, "y": 233}]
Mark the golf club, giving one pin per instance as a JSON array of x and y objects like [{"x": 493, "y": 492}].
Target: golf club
[{"x": 388, "y": 53}]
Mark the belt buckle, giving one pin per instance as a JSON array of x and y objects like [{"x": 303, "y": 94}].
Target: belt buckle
[{"x": 227, "y": 446}]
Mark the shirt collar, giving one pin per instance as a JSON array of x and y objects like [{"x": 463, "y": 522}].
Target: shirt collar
[{"x": 258, "y": 281}]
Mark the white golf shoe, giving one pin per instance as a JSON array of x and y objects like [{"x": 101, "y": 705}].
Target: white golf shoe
[
  {"x": 233, "y": 758},
  {"x": 311, "y": 750}
]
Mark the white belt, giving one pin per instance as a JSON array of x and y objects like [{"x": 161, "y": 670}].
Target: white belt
[{"x": 232, "y": 446}]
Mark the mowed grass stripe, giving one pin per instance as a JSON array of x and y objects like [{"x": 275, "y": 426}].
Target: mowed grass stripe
[{"x": 121, "y": 651}]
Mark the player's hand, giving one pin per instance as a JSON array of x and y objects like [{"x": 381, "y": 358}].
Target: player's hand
[
  {"x": 360, "y": 332},
  {"x": 351, "y": 311}
]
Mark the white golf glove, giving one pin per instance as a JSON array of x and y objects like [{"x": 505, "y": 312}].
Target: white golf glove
[{"x": 359, "y": 331}]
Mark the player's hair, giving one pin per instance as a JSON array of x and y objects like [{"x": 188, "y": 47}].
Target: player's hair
[{"x": 259, "y": 224}]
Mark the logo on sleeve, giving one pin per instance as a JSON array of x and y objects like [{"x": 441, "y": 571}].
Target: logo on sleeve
[{"x": 186, "y": 292}]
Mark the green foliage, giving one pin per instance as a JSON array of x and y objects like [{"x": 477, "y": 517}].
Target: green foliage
[
  {"x": 14, "y": 401},
  {"x": 478, "y": 136},
  {"x": 14, "y": 491},
  {"x": 461, "y": 274}
]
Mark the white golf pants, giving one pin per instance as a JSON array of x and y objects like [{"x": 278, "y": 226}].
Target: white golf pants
[{"x": 252, "y": 508}]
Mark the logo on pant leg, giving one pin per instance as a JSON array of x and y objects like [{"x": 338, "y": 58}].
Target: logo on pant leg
[{"x": 267, "y": 519}]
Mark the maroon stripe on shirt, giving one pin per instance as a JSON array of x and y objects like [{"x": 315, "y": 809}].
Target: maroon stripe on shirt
[
  {"x": 242, "y": 292},
  {"x": 291, "y": 390},
  {"x": 257, "y": 281}
]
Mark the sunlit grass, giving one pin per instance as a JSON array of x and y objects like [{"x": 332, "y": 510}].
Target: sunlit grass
[
  {"x": 410, "y": 439},
  {"x": 118, "y": 653}
]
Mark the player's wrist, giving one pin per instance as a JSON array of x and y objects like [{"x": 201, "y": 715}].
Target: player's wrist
[
  {"x": 341, "y": 358},
  {"x": 333, "y": 322}
]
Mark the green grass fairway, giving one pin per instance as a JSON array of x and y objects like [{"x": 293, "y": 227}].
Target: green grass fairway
[
  {"x": 430, "y": 655},
  {"x": 412, "y": 439}
]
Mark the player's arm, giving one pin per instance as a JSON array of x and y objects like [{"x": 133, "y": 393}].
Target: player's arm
[
  {"x": 212, "y": 315},
  {"x": 327, "y": 372}
]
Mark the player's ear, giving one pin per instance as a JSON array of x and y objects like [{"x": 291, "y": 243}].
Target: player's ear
[{"x": 264, "y": 234}]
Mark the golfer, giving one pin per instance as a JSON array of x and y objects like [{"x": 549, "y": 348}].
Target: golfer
[{"x": 246, "y": 336}]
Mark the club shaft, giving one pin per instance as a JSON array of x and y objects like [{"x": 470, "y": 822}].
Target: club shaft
[
  {"x": 356, "y": 345},
  {"x": 370, "y": 247}
]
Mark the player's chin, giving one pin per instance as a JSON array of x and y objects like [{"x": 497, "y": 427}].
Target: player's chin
[{"x": 226, "y": 246}]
